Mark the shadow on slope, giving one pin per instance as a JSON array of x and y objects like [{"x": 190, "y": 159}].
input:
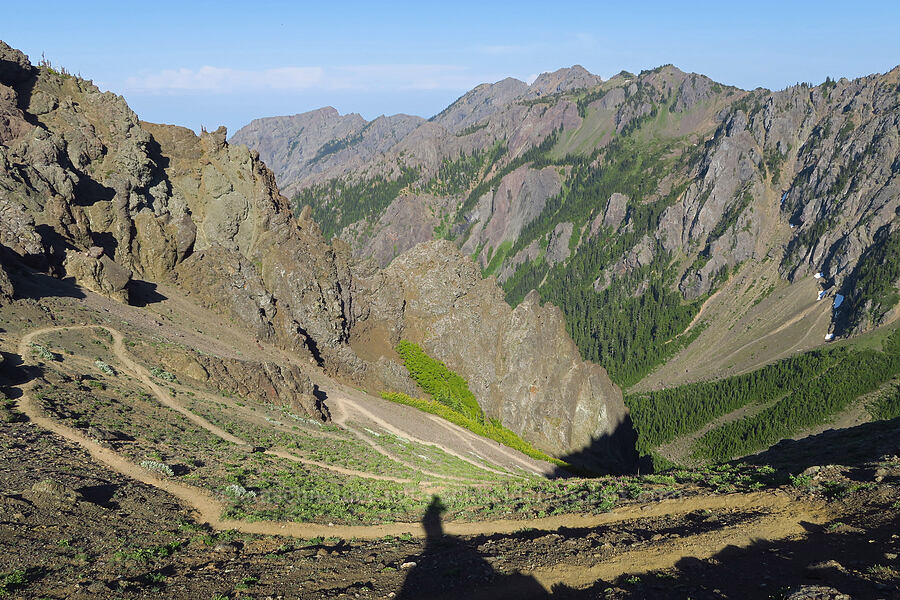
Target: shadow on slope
[
  {"x": 853, "y": 445},
  {"x": 845, "y": 556},
  {"x": 608, "y": 454},
  {"x": 142, "y": 293},
  {"x": 450, "y": 567}
]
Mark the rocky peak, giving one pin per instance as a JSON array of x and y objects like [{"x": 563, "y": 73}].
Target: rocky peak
[
  {"x": 301, "y": 146},
  {"x": 14, "y": 65},
  {"x": 575, "y": 77},
  {"x": 479, "y": 103}
]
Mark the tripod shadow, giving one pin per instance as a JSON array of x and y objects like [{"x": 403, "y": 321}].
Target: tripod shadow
[{"x": 450, "y": 567}]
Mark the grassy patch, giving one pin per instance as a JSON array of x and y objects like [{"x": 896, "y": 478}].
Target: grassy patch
[
  {"x": 439, "y": 382},
  {"x": 491, "y": 430}
]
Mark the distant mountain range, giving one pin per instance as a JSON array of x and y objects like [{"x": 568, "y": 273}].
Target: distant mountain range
[{"x": 665, "y": 213}]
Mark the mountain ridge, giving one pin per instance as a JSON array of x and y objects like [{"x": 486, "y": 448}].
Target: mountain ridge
[{"x": 713, "y": 157}]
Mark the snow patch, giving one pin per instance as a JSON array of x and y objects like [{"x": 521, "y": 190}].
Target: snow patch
[{"x": 838, "y": 300}]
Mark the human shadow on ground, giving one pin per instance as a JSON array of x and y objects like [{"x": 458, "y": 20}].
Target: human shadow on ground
[{"x": 451, "y": 567}]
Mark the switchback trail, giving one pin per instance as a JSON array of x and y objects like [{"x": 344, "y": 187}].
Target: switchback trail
[
  {"x": 166, "y": 400},
  {"x": 777, "y": 514}
]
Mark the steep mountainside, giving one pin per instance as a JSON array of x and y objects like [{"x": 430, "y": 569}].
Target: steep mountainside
[
  {"x": 309, "y": 143},
  {"x": 90, "y": 192},
  {"x": 657, "y": 210}
]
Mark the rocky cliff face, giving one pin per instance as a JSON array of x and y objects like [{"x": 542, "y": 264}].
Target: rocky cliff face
[
  {"x": 89, "y": 191},
  {"x": 434, "y": 295}
]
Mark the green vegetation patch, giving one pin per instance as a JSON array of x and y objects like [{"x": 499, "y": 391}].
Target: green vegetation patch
[
  {"x": 887, "y": 405},
  {"x": 337, "y": 203},
  {"x": 12, "y": 581},
  {"x": 492, "y": 430},
  {"x": 439, "y": 382},
  {"x": 870, "y": 291},
  {"x": 810, "y": 402},
  {"x": 456, "y": 176},
  {"x": 661, "y": 416}
]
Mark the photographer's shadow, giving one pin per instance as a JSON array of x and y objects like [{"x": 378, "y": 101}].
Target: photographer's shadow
[{"x": 449, "y": 567}]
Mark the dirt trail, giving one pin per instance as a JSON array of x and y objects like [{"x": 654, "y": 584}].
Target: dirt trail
[
  {"x": 783, "y": 523},
  {"x": 792, "y": 321},
  {"x": 166, "y": 400},
  {"x": 166, "y": 321},
  {"x": 209, "y": 508},
  {"x": 498, "y": 447},
  {"x": 780, "y": 516},
  {"x": 700, "y": 312},
  {"x": 345, "y": 402}
]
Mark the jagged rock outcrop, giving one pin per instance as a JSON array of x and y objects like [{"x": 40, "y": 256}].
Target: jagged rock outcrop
[
  {"x": 434, "y": 296},
  {"x": 98, "y": 273},
  {"x": 162, "y": 203}
]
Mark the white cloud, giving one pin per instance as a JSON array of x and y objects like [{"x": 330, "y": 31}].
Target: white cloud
[
  {"x": 530, "y": 79},
  {"x": 347, "y": 77},
  {"x": 226, "y": 80}
]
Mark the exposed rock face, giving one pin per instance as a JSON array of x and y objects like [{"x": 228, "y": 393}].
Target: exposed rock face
[
  {"x": 301, "y": 145},
  {"x": 99, "y": 274},
  {"x": 402, "y": 225},
  {"x": 434, "y": 296},
  {"x": 615, "y": 211},
  {"x": 558, "y": 247},
  {"x": 263, "y": 382},
  {"x": 518, "y": 200}
]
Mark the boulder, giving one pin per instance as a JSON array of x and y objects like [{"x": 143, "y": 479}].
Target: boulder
[{"x": 101, "y": 275}]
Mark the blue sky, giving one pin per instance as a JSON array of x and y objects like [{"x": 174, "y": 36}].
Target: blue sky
[{"x": 212, "y": 63}]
